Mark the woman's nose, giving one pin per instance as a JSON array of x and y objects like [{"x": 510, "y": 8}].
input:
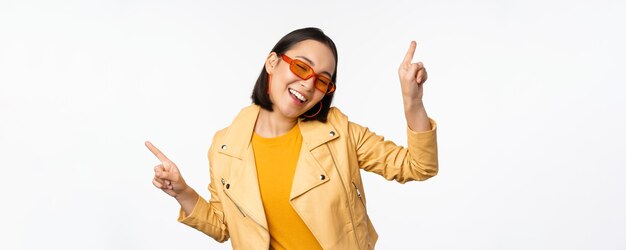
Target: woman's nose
[{"x": 308, "y": 84}]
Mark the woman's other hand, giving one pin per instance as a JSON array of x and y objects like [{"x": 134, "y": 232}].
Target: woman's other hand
[
  {"x": 412, "y": 77},
  {"x": 166, "y": 175}
]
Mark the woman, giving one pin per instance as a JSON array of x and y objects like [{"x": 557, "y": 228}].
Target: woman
[{"x": 286, "y": 173}]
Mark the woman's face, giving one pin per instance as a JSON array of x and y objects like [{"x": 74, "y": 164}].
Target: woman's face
[{"x": 291, "y": 95}]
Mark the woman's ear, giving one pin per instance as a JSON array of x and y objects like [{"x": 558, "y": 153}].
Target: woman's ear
[{"x": 271, "y": 62}]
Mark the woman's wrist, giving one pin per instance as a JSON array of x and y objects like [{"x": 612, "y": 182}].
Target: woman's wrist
[
  {"x": 186, "y": 195},
  {"x": 413, "y": 107},
  {"x": 416, "y": 117}
]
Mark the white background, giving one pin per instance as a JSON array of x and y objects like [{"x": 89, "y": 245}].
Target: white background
[{"x": 529, "y": 97}]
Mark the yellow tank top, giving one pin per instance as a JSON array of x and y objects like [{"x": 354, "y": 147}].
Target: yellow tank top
[{"x": 276, "y": 160}]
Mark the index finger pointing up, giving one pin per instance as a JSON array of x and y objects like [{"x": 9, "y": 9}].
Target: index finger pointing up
[
  {"x": 156, "y": 152},
  {"x": 409, "y": 54}
]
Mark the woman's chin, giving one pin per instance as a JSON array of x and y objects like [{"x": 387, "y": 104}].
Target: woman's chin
[{"x": 289, "y": 112}]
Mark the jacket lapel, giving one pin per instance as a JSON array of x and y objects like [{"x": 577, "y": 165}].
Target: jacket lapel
[
  {"x": 244, "y": 184},
  {"x": 313, "y": 155}
]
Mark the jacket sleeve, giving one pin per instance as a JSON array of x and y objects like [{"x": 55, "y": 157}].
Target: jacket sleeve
[
  {"x": 416, "y": 162},
  {"x": 208, "y": 217}
]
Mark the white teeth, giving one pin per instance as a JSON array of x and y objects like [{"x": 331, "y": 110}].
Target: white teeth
[{"x": 298, "y": 95}]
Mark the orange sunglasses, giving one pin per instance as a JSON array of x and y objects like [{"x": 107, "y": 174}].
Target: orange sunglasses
[{"x": 304, "y": 71}]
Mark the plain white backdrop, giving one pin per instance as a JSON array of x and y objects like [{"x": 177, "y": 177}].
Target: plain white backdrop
[{"x": 529, "y": 97}]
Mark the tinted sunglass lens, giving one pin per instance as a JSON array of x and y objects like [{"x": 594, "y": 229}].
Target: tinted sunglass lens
[
  {"x": 301, "y": 69},
  {"x": 322, "y": 84}
]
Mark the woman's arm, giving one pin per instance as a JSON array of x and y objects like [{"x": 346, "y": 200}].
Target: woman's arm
[{"x": 418, "y": 161}]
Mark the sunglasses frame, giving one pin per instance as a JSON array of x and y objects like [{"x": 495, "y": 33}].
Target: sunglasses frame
[{"x": 290, "y": 61}]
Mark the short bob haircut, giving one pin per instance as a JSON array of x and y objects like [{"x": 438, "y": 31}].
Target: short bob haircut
[{"x": 259, "y": 94}]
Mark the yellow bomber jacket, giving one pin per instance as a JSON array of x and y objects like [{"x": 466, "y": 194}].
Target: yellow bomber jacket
[{"x": 327, "y": 190}]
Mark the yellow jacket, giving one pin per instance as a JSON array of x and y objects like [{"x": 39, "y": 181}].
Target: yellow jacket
[{"x": 327, "y": 191}]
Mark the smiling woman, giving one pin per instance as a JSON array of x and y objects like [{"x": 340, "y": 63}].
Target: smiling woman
[
  {"x": 294, "y": 87},
  {"x": 286, "y": 173},
  {"x": 317, "y": 46}
]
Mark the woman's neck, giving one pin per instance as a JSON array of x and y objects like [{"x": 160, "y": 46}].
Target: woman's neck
[{"x": 273, "y": 124}]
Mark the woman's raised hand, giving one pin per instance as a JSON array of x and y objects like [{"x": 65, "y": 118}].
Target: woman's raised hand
[
  {"x": 412, "y": 77},
  {"x": 166, "y": 175}
]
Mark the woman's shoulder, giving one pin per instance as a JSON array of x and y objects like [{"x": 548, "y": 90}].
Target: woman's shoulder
[
  {"x": 243, "y": 122},
  {"x": 335, "y": 114},
  {"x": 338, "y": 119}
]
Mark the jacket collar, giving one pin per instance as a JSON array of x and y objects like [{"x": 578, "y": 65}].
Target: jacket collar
[{"x": 239, "y": 133}]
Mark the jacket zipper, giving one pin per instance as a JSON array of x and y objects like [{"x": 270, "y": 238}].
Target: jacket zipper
[
  {"x": 238, "y": 207},
  {"x": 358, "y": 193},
  {"x": 241, "y": 210}
]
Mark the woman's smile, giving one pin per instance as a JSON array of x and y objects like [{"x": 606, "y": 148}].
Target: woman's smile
[{"x": 297, "y": 96}]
